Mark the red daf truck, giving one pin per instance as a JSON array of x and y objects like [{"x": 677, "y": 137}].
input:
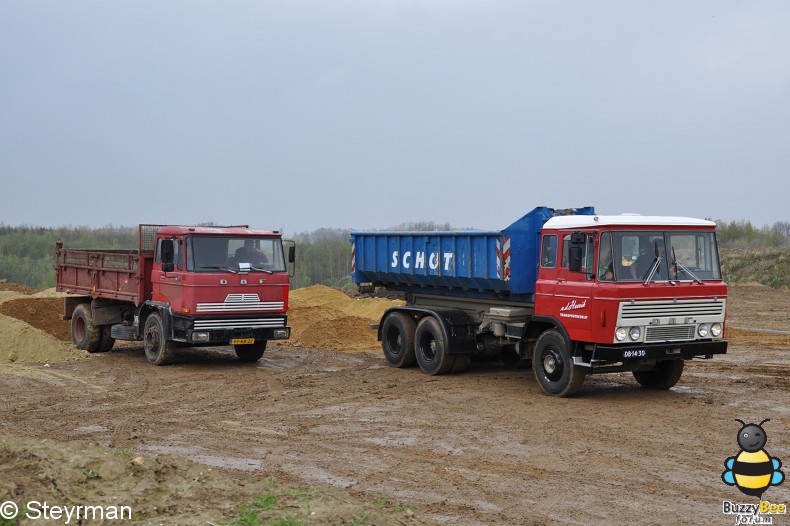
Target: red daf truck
[
  {"x": 570, "y": 292},
  {"x": 189, "y": 286}
]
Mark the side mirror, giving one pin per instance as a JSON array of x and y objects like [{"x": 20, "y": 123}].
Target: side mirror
[
  {"x": 168, "y": 255},
  {"x": 576, "y": 252},
  {"x": 575, "y": 263},
  {"x": 291, "y": 262}
]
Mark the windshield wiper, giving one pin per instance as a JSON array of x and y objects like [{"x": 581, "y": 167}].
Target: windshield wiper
[
  {"x": 683, "y": 268},
  {"x": 262, "y": 270},
  {"x": 652, "y": 270},
  {"x": 217, "y": 267}
]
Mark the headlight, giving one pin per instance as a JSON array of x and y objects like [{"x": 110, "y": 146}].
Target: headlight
[
  {"x": 703, "y": 330},
  {"x": 620, "y": 334},
  {"x": 715, "y": 330},
  {"x": 634, "y": 333},
  {"x": 200, "y": 337}
]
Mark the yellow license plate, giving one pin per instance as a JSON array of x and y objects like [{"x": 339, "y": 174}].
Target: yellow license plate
[{"x": 242, "y": 341}]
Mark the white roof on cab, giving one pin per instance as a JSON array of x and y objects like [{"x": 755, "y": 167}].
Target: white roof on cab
[{"x": 625, "y": 220}]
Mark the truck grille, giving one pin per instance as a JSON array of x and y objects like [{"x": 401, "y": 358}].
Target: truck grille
[
  {"x": 671, "y": 333},
  {"x": 242, "y": 302},
  {"x": 673, "y": 309},
  {"x": 239, "y": 323}
]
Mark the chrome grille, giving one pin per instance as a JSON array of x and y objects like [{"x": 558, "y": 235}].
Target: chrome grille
[
  {"x": 242, "y": 302},
  {"x": 239, "y": 323},
  {"x": 673, "y": 309},
  {"x": 669, "y": 333}
]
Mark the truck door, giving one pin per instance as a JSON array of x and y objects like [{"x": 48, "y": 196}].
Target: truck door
[
  {"x": 168, "y": 273},
  {"x": 572, "y": 303}
]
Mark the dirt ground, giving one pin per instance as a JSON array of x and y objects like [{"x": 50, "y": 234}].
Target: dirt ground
[{"x": 484, "y": 447}]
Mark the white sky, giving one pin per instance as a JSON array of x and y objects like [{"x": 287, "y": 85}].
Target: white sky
[{"x": 370, "y": 113}]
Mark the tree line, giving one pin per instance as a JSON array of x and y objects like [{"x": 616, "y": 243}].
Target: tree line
[{"x": 27, "y": 253}]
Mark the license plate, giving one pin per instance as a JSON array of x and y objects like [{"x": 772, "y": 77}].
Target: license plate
[{"x": 242, "y": 341}]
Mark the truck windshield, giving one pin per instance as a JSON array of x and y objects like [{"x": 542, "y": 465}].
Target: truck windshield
[
  {"x": 253, "y": 254},
  {"x": 658, "y": 256}
]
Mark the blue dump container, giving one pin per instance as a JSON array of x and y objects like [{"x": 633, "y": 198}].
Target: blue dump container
[{"x": 462, "y": 263}]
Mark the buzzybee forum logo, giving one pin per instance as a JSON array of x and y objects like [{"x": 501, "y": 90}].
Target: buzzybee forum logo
[{"x": 753, "y": 471}]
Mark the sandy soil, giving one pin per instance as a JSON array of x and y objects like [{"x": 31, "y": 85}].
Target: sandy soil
[{"x": 482, "y": 447}]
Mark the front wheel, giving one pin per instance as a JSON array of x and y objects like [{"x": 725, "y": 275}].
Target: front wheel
[
  {"x": 663, "y": 376},
  {"x": 252, "y": 352},
  {"x": 158, "y": 349},
  {"x": 397, "y": 339},
  {"x": 553, "y": 365}
]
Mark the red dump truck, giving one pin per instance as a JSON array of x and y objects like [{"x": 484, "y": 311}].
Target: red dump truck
[{"x": 183, "y": 286}]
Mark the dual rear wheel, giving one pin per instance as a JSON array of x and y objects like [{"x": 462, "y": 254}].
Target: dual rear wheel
[
  {"x": 87, "y": 336},
  {"x": 405, "y": 342}
]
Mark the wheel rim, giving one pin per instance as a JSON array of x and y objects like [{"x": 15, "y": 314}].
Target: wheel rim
[
  {"x": 79, "y": 329},
  {"x": 394, "y": 341},
  {"x": 428, "y": 347},
  {"x": 553, "y": 366},
  {"x": 152, "y": 339}
]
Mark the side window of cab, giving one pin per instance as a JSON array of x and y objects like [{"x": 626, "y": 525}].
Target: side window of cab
[{"x": 548, "y": 251}]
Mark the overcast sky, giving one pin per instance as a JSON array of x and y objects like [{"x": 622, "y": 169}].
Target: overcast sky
[{"x": 370, "y": 113}]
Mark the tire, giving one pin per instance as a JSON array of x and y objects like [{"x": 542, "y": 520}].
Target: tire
[
  {"x": 663, "y": 376},
  {"x": 397, "y": 339},
  {"x": 84, "y": 333},
  {"x": 430, "y": 348},
  {"x": 553, "y": 365},
  {"x": 106, "y": 341},
  {"x": 250, "y": 353},
  {"x": 158, "y": 349}
]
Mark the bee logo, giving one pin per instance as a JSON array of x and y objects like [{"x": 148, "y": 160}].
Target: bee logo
[{"x": 752, "y": 470}]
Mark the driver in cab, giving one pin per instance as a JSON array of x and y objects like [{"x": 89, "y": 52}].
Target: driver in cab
[{"x": 250, "y": 254}]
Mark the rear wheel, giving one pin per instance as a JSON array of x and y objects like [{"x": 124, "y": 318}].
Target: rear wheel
[
  {"x": 397, "y": 339},
  {"x": 431, "y": 348},
  {"x": 84, "y": 333},
  {"x": 553, "y": 365},
  {"x": 663, "y": 376},
  {"x": 252, "y": 352},
  {"x": 106, "y": 341},
  {"x": 158, "y": 349}
]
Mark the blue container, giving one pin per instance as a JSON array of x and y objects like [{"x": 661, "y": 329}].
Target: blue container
[{"x": 471, "y": 263}]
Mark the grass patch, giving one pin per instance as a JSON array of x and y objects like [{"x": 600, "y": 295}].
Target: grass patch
[
  {"x": 766, "y": 266},
  {"x": 297, "y": 506}
]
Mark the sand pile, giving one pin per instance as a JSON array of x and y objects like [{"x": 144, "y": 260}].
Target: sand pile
[
  {"x": 33, "y": 328},
  {"x": 26, "y": 344},
  {"x": 6, "y": 295},
  {"x": 325, "y": 318}
]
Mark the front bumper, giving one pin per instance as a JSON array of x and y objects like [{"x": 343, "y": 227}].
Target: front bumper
[
  {"x": 220, "y": 330},
  {"x": 658, "y": 351}
]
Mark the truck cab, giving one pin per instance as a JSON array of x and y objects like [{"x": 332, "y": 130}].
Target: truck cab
[
  {"x": 633, "y": 293},
  {"x": 222, "y": 285}
]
